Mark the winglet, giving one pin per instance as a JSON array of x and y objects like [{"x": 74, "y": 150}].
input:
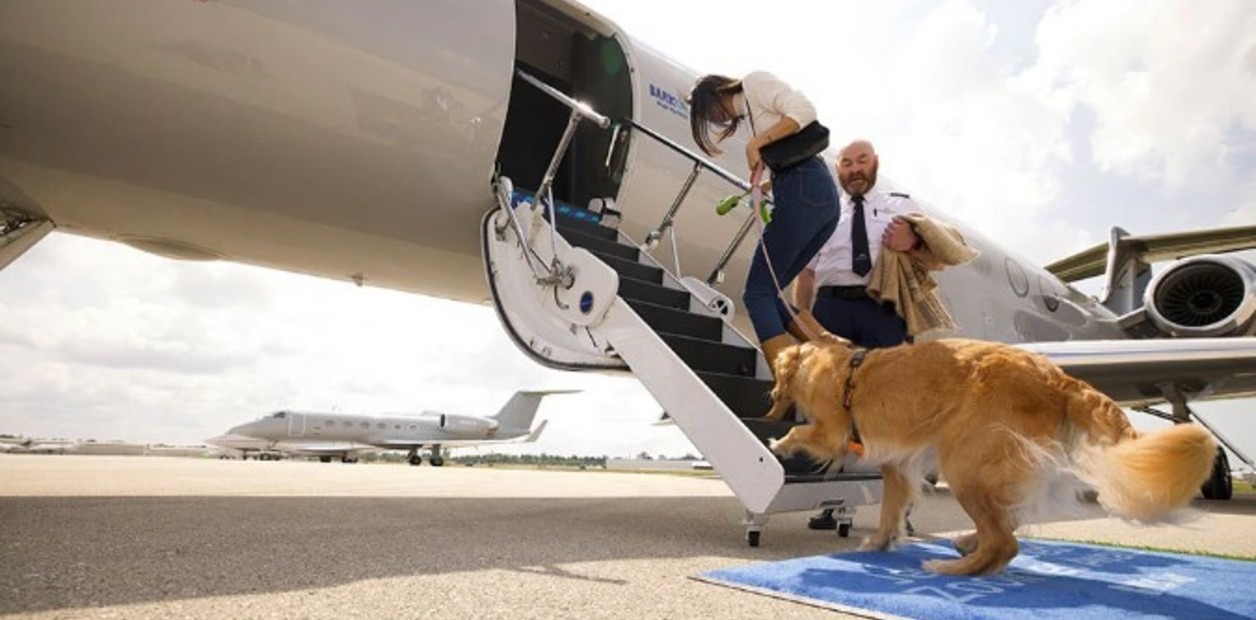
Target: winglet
[{"x": 536, "y": 432}]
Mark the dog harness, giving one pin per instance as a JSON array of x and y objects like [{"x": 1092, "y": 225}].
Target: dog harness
[{"x": 856, "y": 360}]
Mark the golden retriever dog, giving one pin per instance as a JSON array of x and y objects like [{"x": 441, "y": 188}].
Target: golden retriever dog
[{"x": 1006, "y": 428}]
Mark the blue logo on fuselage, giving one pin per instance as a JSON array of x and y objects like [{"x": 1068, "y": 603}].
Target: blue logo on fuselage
[{"x": 669, "y": 101}]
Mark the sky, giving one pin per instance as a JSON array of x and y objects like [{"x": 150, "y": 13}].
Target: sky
[{"x": 1042, "y": 124}]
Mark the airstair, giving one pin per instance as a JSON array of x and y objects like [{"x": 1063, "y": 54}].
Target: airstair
[{"x": 580, "y": 295}]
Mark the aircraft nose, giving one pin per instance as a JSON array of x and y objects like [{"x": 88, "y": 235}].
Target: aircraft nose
[{"x": 246, "y": 429}]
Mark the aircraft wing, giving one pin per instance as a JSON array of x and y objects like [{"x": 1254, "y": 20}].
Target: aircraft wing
[
  {"x": 403, "y": 444},
  {"x": 1140, "y": 372},
  {"x": 324, "y": 448},
  {"x": 1151, "y": 248}
]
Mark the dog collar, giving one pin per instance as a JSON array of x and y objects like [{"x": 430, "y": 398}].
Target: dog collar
[{"x": 856, "y": 360}]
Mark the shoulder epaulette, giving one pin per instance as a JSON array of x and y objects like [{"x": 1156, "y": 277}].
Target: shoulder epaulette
[{"x": 899, "y": 195}]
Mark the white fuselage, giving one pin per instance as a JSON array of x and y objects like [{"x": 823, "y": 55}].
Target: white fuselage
[
  {"x": 380, "y": 431},
  {"x": 357, "y": 141}
]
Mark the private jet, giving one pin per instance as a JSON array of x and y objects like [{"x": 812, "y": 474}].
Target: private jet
[
  {"x": 344, "y": 436},
  {"x": 533, "y": 155}
]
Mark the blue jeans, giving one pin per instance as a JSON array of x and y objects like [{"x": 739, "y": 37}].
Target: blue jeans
[{"x": 804, "y": 217}]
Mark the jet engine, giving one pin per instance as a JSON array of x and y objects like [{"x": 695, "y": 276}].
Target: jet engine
[
  {"x": 466, "y": 426},
  {"x": 1206, "y": 296}
]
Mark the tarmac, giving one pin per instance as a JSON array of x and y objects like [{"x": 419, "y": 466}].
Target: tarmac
[{"x": 154, "y": 537}]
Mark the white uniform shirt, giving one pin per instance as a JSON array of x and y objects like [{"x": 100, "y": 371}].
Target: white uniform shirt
[
  {"x": 770, "y": 99},
  {"x": 832, "y": 263}
]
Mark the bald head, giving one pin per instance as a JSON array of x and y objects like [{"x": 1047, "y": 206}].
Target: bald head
[{"x": 857, "y": 167}]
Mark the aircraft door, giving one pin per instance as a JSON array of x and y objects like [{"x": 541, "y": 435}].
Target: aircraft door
[
  {"x": 581, "y": 57},
  {"x": 296, "y": 424}
]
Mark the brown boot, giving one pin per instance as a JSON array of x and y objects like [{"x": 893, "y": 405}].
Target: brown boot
[
  {"x": 806, "y": 328},
  {"x": 773, "y": 346}
]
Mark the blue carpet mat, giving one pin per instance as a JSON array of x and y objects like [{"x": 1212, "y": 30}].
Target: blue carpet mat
[{"x": 1047, "y": 580}]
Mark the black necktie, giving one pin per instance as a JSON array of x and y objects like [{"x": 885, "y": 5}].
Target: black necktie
[{"x": 860, "y": 260}]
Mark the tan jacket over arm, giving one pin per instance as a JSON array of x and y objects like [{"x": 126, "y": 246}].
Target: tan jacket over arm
[{"x": 903, "y": 278}]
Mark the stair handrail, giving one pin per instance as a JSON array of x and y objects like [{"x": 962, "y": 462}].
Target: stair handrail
[
  {"x": 582, "y": 111},
  {"x": 559, "y": 274},
  {"x": 668, "y": 224}
]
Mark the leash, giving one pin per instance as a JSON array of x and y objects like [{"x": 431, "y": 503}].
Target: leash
[{"x": 756, "y": 199}]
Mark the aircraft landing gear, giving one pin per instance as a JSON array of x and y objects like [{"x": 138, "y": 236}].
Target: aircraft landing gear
[
  {"x": 1219, "y": 485},
  {"x": 324, "y": 459},
  {"x": 436, "y": 461},
  {"x": 413, "y": 457}
]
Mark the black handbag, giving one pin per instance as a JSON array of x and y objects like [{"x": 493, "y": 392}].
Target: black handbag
[
  {"x": 796, "y": 148},
  {"x": 793, "y": 149}
]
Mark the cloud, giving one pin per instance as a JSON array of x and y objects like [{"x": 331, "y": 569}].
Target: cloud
[{"x": 1169, "y": 81}]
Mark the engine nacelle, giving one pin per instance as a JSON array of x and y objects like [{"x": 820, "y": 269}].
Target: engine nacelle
[
  {"x": 466, "y": 426},
  {"x": 1206, "y": 296}
]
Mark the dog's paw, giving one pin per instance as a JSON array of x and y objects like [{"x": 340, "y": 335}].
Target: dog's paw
[
  {"x": 949, "y": 567},
  {"x": 778, "y": 446},
  {"x": 877, "y": 542},
  {"x": 966, "y": 544}
]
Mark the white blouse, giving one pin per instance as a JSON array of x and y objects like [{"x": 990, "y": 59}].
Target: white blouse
[{"x": 770, "y": 99}]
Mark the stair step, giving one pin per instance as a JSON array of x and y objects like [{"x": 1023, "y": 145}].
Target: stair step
[
  {"x": 798, "y": 464},
  {"x": 827, "y": 477},
  {"x": 704, "y": 355},
  {"x": 682, "y": 322},
  {"x": 634, "y": 269},
  {"x": 578, "y": 220},
  {"x": 600, "y": 246},
  {"x": 746, "y": 396},
  {"x": 657, "y": 294}
]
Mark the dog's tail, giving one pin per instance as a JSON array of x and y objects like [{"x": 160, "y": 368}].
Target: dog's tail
[{"x": 1140, "y": 476}]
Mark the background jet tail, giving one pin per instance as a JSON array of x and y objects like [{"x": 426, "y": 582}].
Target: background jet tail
[{"x": 521, "y": 408}]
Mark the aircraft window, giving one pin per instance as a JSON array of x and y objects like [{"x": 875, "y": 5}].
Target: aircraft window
[
  {"x": 413, "y": 427},
  {"x": 396, "y": 427},
  {"x": 381, "y": 426},
  {"x": 281, "y": 414},
  {"x": 347, "y": 423},
  {"x": 1049, "y": 297},
  {"x": 1016, "y": 277},
  {"x": 366, "y": 425}
]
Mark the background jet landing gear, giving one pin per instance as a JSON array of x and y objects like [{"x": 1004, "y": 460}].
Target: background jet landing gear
[
  {"x": 435, "y": 458},
  {"x": 413, "y": 457}
]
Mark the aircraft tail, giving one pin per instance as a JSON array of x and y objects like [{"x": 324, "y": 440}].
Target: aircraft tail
[{"x": 518, "y": 412}]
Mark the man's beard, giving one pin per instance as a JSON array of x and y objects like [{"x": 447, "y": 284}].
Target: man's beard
[{"x": 870, "y": 181}]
